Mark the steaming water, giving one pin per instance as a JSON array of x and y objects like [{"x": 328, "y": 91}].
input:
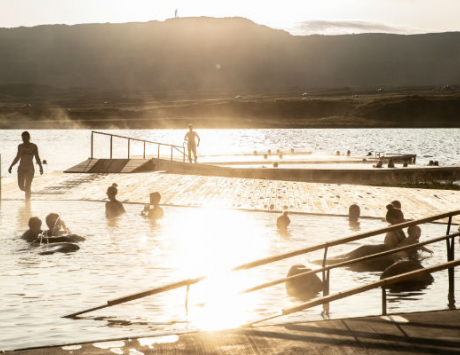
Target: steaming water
[{"x": 130, "y": 254}]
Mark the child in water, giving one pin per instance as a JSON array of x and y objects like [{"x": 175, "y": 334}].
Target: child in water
[
  {"x": 156, "y": 212},
  {"x": 34, "y": 231},
  {"x": 414, "y": 233},
  {"x": 56, "y": 226},
  {"x": 114, "y": 207}
]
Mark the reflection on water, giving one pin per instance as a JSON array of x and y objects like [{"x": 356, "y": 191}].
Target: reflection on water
[
  {"x": 129, "y": 255},
  {"x": 428, "y": 144}
]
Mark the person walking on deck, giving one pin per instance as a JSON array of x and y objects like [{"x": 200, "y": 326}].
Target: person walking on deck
[
  {"x": 26, "y": 152},
  {"x": 191, "y": 138}
]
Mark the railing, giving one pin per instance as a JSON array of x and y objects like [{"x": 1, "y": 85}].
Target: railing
[
  {"x": 172, "y": 147},
  {"x": 325, "y": 270}
]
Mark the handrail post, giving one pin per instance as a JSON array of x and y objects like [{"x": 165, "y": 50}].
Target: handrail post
[
  {"x": 449, "y": 223},
  {"x": 111, "y": 145},
  {"x": 186, "y": 300},
  {"x": 171, "y": 153},
  {"x": 129, "y": 146},
  {"x": 158, "y": 151},
  {"x": 144, "y": 149},
  {"x": 92, "y": 134},
  {"x": 325, "y": 283},
  {"x": 384, "y": 301},
  {"x": 451, "y": 271}
]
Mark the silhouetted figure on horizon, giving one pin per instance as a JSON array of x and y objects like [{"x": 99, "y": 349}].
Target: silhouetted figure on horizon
[
  {"x": 113, "y": 208},
  {"x": 191, "y": 138},
  {"x": 175, "y": 13},
  {"x": 26, "y": 152},
  {"x": 153, "y": 210}
]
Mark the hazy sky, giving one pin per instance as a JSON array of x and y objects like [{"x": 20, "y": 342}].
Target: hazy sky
[{"x": 296, "y": 16}]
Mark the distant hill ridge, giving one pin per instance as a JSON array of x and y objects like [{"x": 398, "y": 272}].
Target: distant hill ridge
[{"x": 208, "y": 54}]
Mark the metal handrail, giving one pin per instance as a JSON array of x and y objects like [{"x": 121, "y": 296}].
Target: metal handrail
[
  {"x": 348, "y": 262},
  {"x": 176, "y": 147},
  {"x": 381, "y": 283},
  {"x": 325, "y": 270}
]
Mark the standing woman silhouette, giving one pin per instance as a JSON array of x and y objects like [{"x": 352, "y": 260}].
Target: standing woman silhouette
[{"x": 26, "y": 152}]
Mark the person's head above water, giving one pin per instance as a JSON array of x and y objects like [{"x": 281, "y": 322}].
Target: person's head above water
[
  {"x": 354, "y": 212},
  {"x": 25, "y": 137},
  {"x": 112, "y": 191},
  {"x": 155, "y": 198},
  {"x": 51, "y": 220},
  {"x": 414, "y": 232},
  {"x": 190, "y": 127},
  {"x": 394, "y": 215},
  {"x": 35, "y": 224},
  {"x": 396, "y": 203}
]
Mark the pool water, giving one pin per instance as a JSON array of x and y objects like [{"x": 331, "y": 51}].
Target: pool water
[{"x": 132, "y": 254}]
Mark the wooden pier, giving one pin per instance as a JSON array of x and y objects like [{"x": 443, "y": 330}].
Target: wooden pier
[
  {"x": 239, "y": 193},
  {"x": 415, "y": 333}
]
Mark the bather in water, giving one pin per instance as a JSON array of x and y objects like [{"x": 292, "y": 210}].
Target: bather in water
[
  {"x": 153, "y": 210},
  {"x": 113, "y": 208}
]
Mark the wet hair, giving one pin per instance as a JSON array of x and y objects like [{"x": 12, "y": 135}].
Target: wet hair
[
  {"x": 155, "y": 196},
  {"x": 51, "y": 220},
  {"x": 35, "y": 222},
  {"x": 414, "y": 230},
  {"x": 393, "y": 214},
  {"x": 112, "y": 190},
  {"x": 25, "y": 134},
  {"x": 396, "y": 203},
  {"x": 354, "y": 211}
]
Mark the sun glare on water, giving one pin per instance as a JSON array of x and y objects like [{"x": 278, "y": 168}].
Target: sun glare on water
[{"x": 210, "y": 242}]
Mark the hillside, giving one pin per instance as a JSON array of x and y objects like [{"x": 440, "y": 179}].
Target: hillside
[{"x": 207, "y": 54}]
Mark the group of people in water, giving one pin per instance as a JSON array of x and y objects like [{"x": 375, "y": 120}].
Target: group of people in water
[{"x": 114, "y": 208}]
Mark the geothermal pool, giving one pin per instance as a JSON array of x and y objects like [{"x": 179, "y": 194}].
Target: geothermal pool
[{"x": 131, "y": 254}]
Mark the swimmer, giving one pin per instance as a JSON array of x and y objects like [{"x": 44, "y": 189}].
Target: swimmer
[
  {"x": 113, "y": 208},
  {"x": 191, "y": 137},
  {"x": 394, "y": 238},
  {"x": 413, "y": 237},
  {"x": 283, "y": 221},
  {"x": 56, "y": 226},
  {"x": 156, "y": 212},
  {"x": 397, "y": 204},
  {"x": 354, "y": 213},
  {"x": 26, "y": 153},
  {"x": 34, "y": 231}
]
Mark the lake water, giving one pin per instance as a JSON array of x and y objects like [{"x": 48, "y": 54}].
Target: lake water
[
  {"x": 65, "y": 148},
  {"x": 131, "y": 254}
]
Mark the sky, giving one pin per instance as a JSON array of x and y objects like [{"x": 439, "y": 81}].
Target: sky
[{"x": 299, "y": 17}]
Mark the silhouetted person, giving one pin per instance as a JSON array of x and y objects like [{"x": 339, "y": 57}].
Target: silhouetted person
[
  {"x": 391, "y": 164},
  {"x": 354, "y": 212},
  {"x": 114, "y": 207},
  {"x": 26, "y": 152},
  {"x": 283, "y": 221},
  {"x": 175, "y": 13},
  {"x": 56, "y": 226},
  {"x": 394, "y": 238},
  {"x": 34, "y": 231},
  {"x": 191, "y": 138},
  {"x": 413, "y": 237},
  {"x": 153, "y": 210},
  {"x": 348, "y": 153}
]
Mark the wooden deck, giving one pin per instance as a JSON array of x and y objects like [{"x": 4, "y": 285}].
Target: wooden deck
[
  {"x": 248, "y": 194},
  {"x": 415, "y": 333}
]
